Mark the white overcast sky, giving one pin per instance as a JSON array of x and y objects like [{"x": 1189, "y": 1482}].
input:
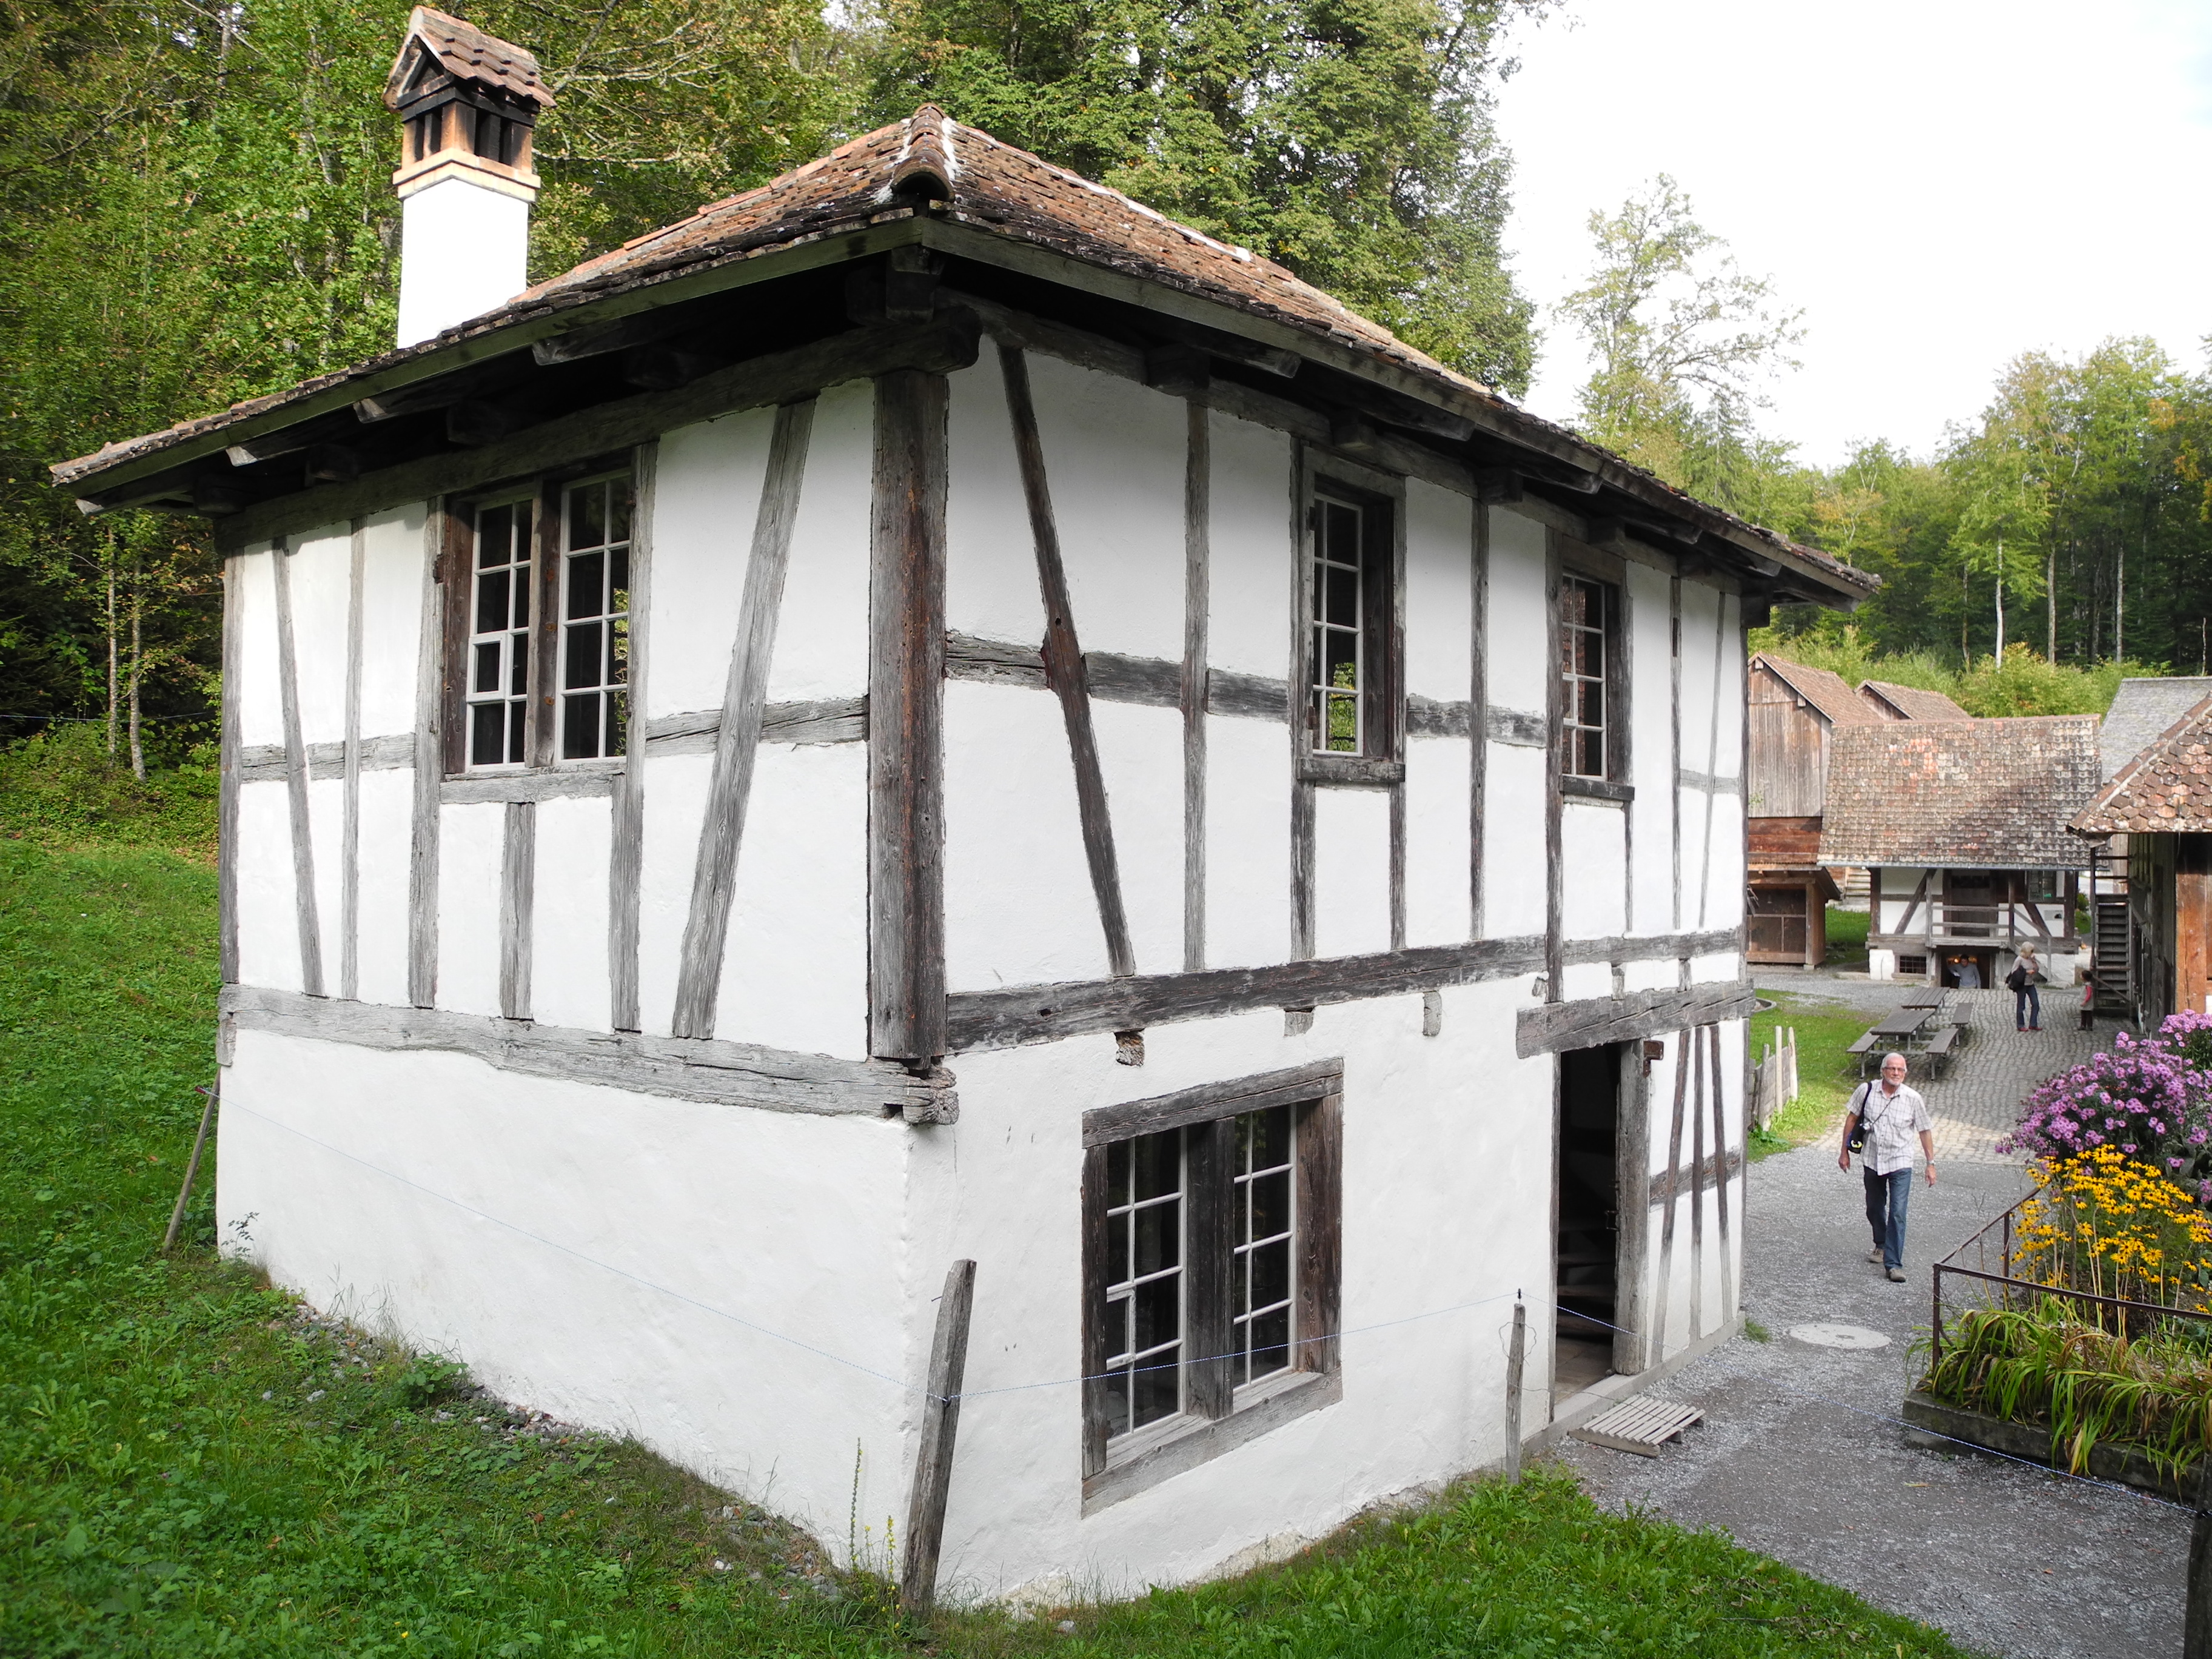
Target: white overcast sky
[{"x": 1939, "y": 184}]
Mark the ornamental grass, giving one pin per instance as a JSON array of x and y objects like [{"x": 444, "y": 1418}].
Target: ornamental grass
[{"x": 2052, "y": 1363}]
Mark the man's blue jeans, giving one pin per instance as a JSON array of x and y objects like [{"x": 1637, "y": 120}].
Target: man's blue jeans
[{"x": 1886, "y": 1197}]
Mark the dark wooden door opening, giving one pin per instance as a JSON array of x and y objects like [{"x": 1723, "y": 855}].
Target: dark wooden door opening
[
  {"x": 1589, "y": 1243},
  {"x": 1984, "y": 963}
]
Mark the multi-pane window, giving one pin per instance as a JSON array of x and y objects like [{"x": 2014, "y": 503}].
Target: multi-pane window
[
  {"x": 1339, "y": 597},
  {"x": 498, "y": 724},
  {"x": 1584, "y": 645},
  {"x": 594, "y": 617},
  {"x": 1261, "y": 1223},
  {"x": 1144, "y": 1284},
  {"x": 1210, "y": 1258}
]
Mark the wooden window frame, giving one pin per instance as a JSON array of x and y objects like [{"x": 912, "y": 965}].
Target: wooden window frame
[
  {"x": 1217, "y": 1414},
  {"x": 1381, "y": 499},
  {"x": 1609, "y": 574},
  {"x": 455, "y": 579}
]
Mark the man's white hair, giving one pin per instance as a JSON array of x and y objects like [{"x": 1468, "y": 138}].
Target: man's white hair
[{"x": 1898, "y": 1058}]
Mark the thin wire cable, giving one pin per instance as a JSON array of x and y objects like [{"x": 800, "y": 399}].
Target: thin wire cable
[
  {"x": 824, "y": 1353},
  {"x": 566, "y": 1249}
]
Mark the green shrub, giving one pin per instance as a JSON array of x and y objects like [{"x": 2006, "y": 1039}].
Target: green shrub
[
  {"x": 428, "y": 1378},
  {"x": 59, "y": 787},
  {"x": 2020, "y": 683}
]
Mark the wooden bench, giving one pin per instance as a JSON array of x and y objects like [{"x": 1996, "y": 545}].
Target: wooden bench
[
  {"x": 1865, "y": 1046},
  {"x": 1937, "y": 1054}
]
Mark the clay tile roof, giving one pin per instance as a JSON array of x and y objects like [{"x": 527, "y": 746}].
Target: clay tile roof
[
  {"x": 1976, "y": 794},
  {"x": 1909, "y": 702},
  {"x": 2166, "y": 790},
  {"x": 467, "y": 54},
  {"x": 2143, "y": 711},
  {"x": 1827, "y": 692}
]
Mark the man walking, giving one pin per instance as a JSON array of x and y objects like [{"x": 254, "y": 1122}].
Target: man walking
[{"x": 1892, "y": 1113}]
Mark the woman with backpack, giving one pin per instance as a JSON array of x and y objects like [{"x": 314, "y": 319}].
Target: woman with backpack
[{"x": 2026, "y": 1002}]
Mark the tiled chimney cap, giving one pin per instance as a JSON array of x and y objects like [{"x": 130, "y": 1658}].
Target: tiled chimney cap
[{"x": 467, "y": 54}]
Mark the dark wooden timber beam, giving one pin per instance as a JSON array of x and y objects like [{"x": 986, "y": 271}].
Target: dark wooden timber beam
[
  {"x": 1557, "y": 1026},
  {"x": 947, "y": 344}
]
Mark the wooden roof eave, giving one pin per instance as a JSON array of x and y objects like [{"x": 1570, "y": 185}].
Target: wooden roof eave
[{"x": 1689, "y": 529}]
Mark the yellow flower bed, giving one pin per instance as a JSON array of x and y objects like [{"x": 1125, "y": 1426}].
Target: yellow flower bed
[{"x": 2109, "y": 1225}]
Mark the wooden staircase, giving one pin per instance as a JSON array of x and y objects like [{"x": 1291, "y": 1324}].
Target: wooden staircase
[{"x": 2110, "y": 955}]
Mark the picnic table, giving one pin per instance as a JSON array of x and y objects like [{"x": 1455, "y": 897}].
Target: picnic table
[
  {"x": 1927, "y": 997},
  {"x": 1887, "y": 1034}
]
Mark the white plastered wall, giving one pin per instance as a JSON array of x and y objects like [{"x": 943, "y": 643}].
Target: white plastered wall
[
  {"x": 1651, "y": 751},
  {"x": 1445, "y": 1138},
  {"x": 534, "y": 1198},
  {"x": 1439, "y": 664}
]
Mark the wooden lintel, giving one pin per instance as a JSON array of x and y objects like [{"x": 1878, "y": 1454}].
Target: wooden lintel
[{"x": 1558, "y": 1026}]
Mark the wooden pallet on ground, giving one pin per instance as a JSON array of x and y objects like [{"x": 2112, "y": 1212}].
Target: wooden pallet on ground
[{"x": 1638, "y": 1425}]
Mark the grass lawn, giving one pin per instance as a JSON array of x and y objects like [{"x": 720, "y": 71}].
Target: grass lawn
[
  {"x": 1826, "y": 1074},
  {"x": 192, "y": 1463}
]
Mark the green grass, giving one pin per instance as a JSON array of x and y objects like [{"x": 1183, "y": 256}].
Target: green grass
[
  {"x": 1826, "y": 1074},
  {"x": 191, "y": 1464},
  {"x": 1847, "y": 937}
]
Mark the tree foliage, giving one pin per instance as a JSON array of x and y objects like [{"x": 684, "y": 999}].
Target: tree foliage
[
  {"x": 1348, "y": 140},
  {"x": 200, "y": 206}
]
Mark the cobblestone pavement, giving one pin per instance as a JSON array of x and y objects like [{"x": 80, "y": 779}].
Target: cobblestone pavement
[
  {"x": 1794, "y": 1458},
  {"x": 1977, "y": 1097}
]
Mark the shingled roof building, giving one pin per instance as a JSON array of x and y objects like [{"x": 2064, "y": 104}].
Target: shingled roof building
[
  {"x": 928, "y": 720},
  {"x": 2161, "y": 802},
  {"x": 1908, "y": 703},
  {"x": 1962, "y": 826}
]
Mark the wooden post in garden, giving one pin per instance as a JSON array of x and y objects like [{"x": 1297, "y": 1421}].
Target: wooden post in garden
[
  {"x": 2197, "y": 1621},
  {"x": 940, "y": 1421},
  {"x": 1513, "y": 1367}
]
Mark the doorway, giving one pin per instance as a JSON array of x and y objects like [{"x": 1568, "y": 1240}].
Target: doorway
[
  {"x": 1973, "y": 969},
  {"x": 1587, "y": 1204}
]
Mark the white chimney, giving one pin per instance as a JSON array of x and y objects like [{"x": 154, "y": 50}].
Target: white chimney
[{"x": 466, "y": 102}]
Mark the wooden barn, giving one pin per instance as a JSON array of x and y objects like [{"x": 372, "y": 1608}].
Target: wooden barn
[
  {"x": 2159, "y": 806},
  {"x": 1962, "y": 825},
  {"x": 2142, "y": 711},
  {"x": 1793, "y": 709},
  {"x": 928, "y": 714}
]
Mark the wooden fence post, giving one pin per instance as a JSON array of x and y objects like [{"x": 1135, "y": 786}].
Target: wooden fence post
[
  {"x": 1513, "y": 1366},
  {"x": 2197, "y": 1621},
  {"x": 940, "y": 1421},
  {"x": 192, "y": 1170}
]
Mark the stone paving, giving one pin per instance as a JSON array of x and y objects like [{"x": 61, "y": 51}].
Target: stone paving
[
  {"x": 1977, "y": 1099},
  {"x": 1796, "y": 1457}
]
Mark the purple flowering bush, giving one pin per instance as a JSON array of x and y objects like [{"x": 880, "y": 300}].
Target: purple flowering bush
[{"x": 2148, "y": 1098}]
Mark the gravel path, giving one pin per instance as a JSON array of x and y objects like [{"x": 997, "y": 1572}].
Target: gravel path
[{"x": 2003, "y": 1558}]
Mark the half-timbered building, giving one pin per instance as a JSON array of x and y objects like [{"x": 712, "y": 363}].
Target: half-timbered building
[
  {"x": 1962, "y": 825},
  {"x": 927, "y": 713}
]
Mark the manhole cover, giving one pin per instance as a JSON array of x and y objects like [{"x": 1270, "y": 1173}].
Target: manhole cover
[{"x": 1830, "y": 1335}]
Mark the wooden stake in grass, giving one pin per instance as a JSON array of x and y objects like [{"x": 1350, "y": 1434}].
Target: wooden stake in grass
[
  {"x": 940, "y": 1420},
  {"x": 192, "y": 1170},
  {"x": 1513, "y": 1365}
]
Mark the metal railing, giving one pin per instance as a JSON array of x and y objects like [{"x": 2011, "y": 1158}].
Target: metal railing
[{"x": 2000, "y": 1287}]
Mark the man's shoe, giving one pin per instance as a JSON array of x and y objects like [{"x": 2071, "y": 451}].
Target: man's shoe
[
  {"x": 1875, "y": 1255},
  {"x": 1897, "y": 1275}
]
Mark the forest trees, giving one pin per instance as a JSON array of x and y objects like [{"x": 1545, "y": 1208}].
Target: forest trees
[
  {"x": 2075, "y": 514},
  {"x": 199, "y": 201},
  {"x": 1348, "y": 140}
]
